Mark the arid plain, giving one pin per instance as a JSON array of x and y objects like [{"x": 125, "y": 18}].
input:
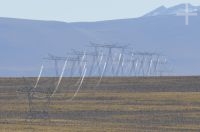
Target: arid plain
[{"x": 121, "y": 104}]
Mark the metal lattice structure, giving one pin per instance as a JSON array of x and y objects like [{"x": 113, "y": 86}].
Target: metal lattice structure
[{"x": 103, "y": 60}]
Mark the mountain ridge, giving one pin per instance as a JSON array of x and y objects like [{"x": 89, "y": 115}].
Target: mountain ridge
[
  {"x": 25, "y": 42},
  {"x": 162, "y": 10}
]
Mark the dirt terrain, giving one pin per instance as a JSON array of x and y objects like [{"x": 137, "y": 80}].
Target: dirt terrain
[{"x": 120, "y": 104}]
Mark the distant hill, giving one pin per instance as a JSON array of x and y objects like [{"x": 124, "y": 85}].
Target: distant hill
[{"x": 23, "y": 43}]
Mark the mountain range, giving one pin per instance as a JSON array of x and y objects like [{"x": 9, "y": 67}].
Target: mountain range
[{"x": 23, "y": 43}]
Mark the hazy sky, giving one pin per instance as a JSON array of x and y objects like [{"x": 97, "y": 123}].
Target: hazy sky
[{"x": 82, "y": 10}]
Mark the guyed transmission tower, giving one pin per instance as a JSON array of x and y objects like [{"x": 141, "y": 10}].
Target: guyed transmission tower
[
  {"x": 45, "y": 92},
  {"x": 35, "y": 95},
  {"x": 103, "y": 60}
]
